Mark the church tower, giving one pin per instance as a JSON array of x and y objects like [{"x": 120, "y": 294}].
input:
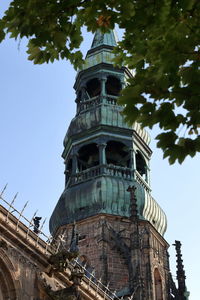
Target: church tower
[{"x": 107, "y": 185}]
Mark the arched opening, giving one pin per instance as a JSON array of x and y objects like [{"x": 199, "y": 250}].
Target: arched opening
[
  {"x": 79, "y": 96},
  {"x": 117, "y": 154},
  {"x": 7, "y": 287},
  {"x": 88, "y": 156},
  {"x": 93, "y": 88},
  {"x": 141, "y": 166},
  {"x": 113, "y": 86},
  {"x": 158, "y": 285}
]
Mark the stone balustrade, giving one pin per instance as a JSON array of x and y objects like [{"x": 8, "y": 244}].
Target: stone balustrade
[
  {"x": 109, "y": 170},
  {"x": 112, "y": 170},
  {"x": 111, "y": 100},
  {"x": 87, "y": 104},
  {"x": 92, "y": 102},
  {"x": 141, "y": 181}
]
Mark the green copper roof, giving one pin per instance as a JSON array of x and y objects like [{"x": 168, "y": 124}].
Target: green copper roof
[
  {"x": 105, "y": 195},
  {"x": 104, "y": 39},
  {"x": 101, "y": 49}
]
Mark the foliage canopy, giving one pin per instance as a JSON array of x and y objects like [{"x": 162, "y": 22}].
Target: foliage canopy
[{"x": 161, "y": 42}]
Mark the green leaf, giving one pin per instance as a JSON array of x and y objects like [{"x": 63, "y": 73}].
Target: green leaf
[
  {"x": 160, "y": 42},
  {"x": 59, "y": 38}
]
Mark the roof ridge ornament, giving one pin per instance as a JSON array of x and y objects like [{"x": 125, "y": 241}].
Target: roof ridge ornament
[{"x": 133, "y": 203}]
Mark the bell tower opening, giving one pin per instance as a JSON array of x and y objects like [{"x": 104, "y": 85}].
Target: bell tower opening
[
  {"x": 113, "y": 86},
  {"x": 141, "y": 166},
  {"x": 88, "y": 157},
  {"x": 93, "y": 88},
  {"x": 117, "y": 154}
]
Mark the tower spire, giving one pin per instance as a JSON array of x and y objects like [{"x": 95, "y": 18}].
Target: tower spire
[
  {"x": 103, "y": 157},
  {"x": 104, "y": 39}
]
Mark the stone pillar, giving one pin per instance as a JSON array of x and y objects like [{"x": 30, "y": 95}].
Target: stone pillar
[
  {"x": 148, "y": 175},
  {"x": 66, "y": 176},
  {"x": 102, "y": 156},
  {"x": 103, "y": 88},
  {"x": 83, "y": 92},
  {"x": 102, "y": 153},
  {"x": 122, "y": 82},
  {"x": 133, "y": 159},
  {"x": 74, "y": 163},
  {"x": 131, "y": 166}
]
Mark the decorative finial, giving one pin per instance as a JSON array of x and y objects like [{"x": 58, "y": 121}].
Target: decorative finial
[
  {"x": 133, "y": 203},
  {"x": 74, "y": 240},
  {"x": 182, "y": 290}
]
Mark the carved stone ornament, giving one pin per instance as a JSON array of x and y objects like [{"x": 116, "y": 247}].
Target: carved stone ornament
[
  {"x": 60, "y": 260},
  {"x": 48, "y": 286}
]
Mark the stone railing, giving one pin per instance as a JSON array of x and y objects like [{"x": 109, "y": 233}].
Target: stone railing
[
  {"x": 85, "y": 175},
  {"x": 111, "y": 99},
  {"x": 110, "y": 170},
  {"x": 117, "y": 171},
  {"x": 84, "y": 105},
  {"x": 141, "y": 181},
  {"x": 92, "y": 102}
]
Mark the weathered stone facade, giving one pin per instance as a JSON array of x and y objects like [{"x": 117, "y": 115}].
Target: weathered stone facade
[
  {"x": 118, "y": 250},
  {"x": 26, "y": 271}
]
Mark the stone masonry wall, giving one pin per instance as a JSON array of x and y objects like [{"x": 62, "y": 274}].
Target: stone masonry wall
[{"x": 123, "y": 254}]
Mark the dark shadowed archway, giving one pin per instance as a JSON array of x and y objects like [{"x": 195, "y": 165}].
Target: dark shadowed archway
[
  {"x": 158, "y": 285},
  {"x": 7, "y": 285}
]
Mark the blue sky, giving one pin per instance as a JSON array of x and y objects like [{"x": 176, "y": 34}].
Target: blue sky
[{"x": 36, "y": 106}]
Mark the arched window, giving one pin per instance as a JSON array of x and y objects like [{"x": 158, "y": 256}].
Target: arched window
[
  {"x": 141, "y": 166},
  {"x": 117, "y": 154},
  {"x": 88, "y": 156},
  {"x": 93, "y": 88},
  {"x": 158, "y": 285},
  {"x": 7, "y": 287},
  {"x": 113, "y": 86}
]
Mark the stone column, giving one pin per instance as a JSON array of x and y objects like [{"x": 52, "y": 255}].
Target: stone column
[
  {"x": 133, "y": 159},
  {"x": 74, "y": 163},
  {"x": 66, "y": 176},
  {"x": 102, "y": 153},
  {"x": 132, "y": 155},
  {"x": 148, "y": 175},
  {"x": 77, "y": 101},
  {"x": 103, "y": 88},
  {"x": 83, "y": 92},
  {"x": 122, "y": 83},
  {"x": 102, "y": 156}
]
